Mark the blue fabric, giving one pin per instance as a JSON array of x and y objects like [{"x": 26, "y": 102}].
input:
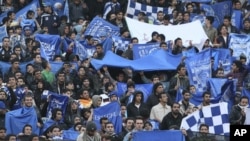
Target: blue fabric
[
  {"x": 113, "y": 112},
  {"x": 189, "y": 53},
  {"x": 47, "y": 124},
  {"x": 70, "y": 134},
  {"x": 3, "y": 33},
  {"x": 99, "y": 27},
  {"x": 218, "y": 10},
  {"x": 16, "y": 119},
  {"x": 80, "y": 50},
  {"x": 145, "y": 88},
  {"x": 228, "y": 93},
  {"x": 142, "y": 50},
  {"x": 158, "y": 136},
  {"x": 159, "y": 60},
  {"x": 57, "y": 101},
  {"x": 237, "y": 19},
  {"x": 199, "y": 69},
  {"x": 50, "y": 44},
  {"x": 107, "y": 44},
  {"x": 222, "y": 58},
  {"x": 19, "y": 92},
  {"x": 60, "y": 11}
]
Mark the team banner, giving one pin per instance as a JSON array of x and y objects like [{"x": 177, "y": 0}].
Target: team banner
[
  {"x": 141, "y": 50},
  {"x": 199, "y": 69},
  {"x": 143, "y": 32},
  {"x": 240, "y": 45}
]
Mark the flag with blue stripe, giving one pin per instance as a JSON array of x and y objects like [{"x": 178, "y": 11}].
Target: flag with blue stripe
[
  {"x": 134, "y": 8},
  {"x": 216, "y": 116},
  {"x": 70, "y": 135},
  {"x": 80, "y": 50},
  {"x": 120, "y": 43},
  {"x": 199, "y": 69},
  {"x": 142, "y": 50},
  {"x": 98, "y": 28},
  {"x": 50, "y": 44},
  {"x": 113, "y": 112}
]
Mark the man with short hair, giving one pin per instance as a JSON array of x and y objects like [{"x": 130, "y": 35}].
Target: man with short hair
[
  {"x": 5, "y": 50},
  {"x": 205, "y": 99},
  {"x": 185, "y": 105},
  {"x": 128, "y": 127},
  {"x": 103, "y": 121},
  {"x": 2, "y": 133},
  {"x": 160, "y": 110},
  {"x": 138, "y": 127},
  {"x": 110, "y": 131}
]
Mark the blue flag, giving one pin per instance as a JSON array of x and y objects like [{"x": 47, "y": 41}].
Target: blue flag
[
  {"x": 159, "y": 60},
  {"x": 50, "y": 44},
  {"x": 145, "y": 88},
  {"x": 237, "y": 19},
  {"x": 222, "y": 59},
  {"x": 228, "y": 93},
  {"x": 218, "y": 10},
  {"x": 15, "y": 120},
  {"x": 57, "y": 101},
  {"x": 199, "y": 69},
  {"x": 70, "y": 135},
  {"x": 240, "y": 44},
  {"x": 113, "y": 112},
  {"x": 120, "y": 43},
  {"x": 22, "y": 13},
  {"x": 142, "y": 50},
  {"x": 170, "y": 135},
  {"x": 98, "y": 28},
  {"x": 80, "y": 50},
  {"x": 3, "y": 33},
  {"x": 55, "y": 66}
]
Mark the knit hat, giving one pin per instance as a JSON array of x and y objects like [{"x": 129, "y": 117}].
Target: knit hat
[{"x": 91, "y": 126}]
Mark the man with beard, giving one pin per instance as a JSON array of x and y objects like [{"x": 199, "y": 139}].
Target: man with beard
[
  {"x": 173, "y": 118},
  {"x": 205, "y": 99}
]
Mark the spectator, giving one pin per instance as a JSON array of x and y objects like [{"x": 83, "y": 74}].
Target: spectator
[
  {"x": 237, "y": 115},
  {"x": 2, "y": 133},
  {"x": 128, "y": 127},
  {"x": 110, "y": 131},
  {"x": 172, "y": 118},
  {"x": 186, "y": 107},
  {"x": 209, "y": 29},
  {"x": 138, "y": 127},
  {"x": 90, "y": 134},
  {"x": 160, "y": 110},
  {"x": 84, "y": 98},
  {"x": 11, "y": 137},
  {"x": 6, "y": 50},
  {"x": 206, "y": 96}
]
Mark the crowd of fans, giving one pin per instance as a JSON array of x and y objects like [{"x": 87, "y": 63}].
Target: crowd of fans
[{"x": 88, "y": 88}]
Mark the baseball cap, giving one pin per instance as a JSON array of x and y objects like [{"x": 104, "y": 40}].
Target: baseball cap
[{"x": 91, "y": 126}]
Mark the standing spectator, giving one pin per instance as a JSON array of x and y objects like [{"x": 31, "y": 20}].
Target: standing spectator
[
  {"x": 111, "y": 6},
  {"x": 227, "y": 22},
  {"x": 205, "y": 99},
  {"x": 137, "y": 107},
  {"x": 128, "y": 127},
  {"x": 246, "y": 27},
  {"x": 209, "y": 29},
  {"x": 185, "y": 105},
  {"x": 77, "y": 9},
  {"x": 138, "y": 127},
  {"x": 5, "y": 50},
  {"x": 222, "y": 40},
  {"x": 173, "y": 118},
  {"x": 237, "y": 115},
  {"x": 179, "y": 81},
  {"x": 160, "y": 110},
  {"x": 119, "y": 20},
  {"x": 90, "y": 134},
  {"x": 50, "y": 19}
]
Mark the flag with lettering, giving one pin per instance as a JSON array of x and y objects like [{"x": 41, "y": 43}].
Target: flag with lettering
[
  {"x": 56, "y": 101},
  {"x": 142, "y": 50},
  {"x": 16, "y": 119},
  {"x": 199, "y": 69},
  {"x": 113, "y": 112},
  {"x": 240, "y": 44},
  {"x": 98, "y": 28},
  {"x": 50, "y": 44}
]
